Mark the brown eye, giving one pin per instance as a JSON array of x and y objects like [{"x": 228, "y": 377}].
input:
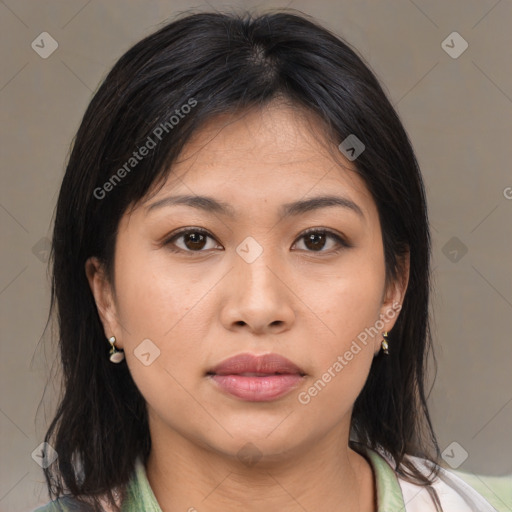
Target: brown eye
[
  {"x": 316, "y": 240},
  {"x": 191, "y": 240},
  {"x": 194, "y": 241}
]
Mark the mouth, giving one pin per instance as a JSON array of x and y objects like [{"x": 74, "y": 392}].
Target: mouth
[{"x": 256, "y": 378}]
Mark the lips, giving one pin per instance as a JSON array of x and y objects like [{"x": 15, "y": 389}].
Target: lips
[
  {"x": 256, "y": 378},
  {"x": 253, "y": 366}
]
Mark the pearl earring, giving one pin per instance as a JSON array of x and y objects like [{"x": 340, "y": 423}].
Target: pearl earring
[{"x": 116, "y": 356}]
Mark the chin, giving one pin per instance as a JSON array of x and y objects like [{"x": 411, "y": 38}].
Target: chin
[{"x": 255, "y": 447}]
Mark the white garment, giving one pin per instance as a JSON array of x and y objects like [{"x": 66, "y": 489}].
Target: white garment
[{"x": 454, "y": 494}]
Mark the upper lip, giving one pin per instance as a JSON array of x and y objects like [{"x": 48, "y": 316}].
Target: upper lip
[{"x": 266, "y": 364}]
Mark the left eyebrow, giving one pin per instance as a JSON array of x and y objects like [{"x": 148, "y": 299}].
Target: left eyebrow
[
  {"x": 295, "y": 208},
  {"x": 300, "y": 207}
]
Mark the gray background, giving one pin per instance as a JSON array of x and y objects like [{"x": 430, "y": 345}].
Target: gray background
[{"x": 457, "y": 111}]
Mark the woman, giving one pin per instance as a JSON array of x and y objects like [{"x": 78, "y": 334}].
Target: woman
[{"x": 243, "y": 224}]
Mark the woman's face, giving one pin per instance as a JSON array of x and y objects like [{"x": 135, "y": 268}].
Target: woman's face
[{"x": 242, "y": 277}]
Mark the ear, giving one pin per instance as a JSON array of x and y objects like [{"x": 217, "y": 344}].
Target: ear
[
  {"x": 393, "y": 299},
  {"x": 104, "y": 297}
]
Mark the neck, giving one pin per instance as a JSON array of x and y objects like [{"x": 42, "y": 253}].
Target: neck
[{"x": 328, "y": 475}]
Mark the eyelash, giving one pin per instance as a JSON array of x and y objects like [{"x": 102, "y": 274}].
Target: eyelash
[{"x": 341, "y": 242}]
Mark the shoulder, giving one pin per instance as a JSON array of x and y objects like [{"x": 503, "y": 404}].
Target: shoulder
[
  {"x": 497, "y": 490},
  {"x": 453, "y": 492},
  {"x": 127, "y": 497}
]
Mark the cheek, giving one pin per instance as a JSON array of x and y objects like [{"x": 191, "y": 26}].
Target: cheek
[
  {"x": 349, "y": 306},
  {"x": 153, "y": 296},
  {"x": 169, "y": 307},
  {"x": 350, "y": 300},
  {"x": 342, "y": 360},
  {"x": 161, "y": 312}
]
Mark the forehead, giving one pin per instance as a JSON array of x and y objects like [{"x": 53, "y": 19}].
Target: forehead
[
  {"x": 272, "y": 154},
  {"x": 275, "y": 135}
]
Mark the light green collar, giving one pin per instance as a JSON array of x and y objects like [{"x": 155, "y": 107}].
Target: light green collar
[
  {"x": 140, "y": 496},
  {"x": 389, "y": 495}
]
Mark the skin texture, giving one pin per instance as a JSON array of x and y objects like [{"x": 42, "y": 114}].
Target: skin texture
[{"x": 305, "y": 302}]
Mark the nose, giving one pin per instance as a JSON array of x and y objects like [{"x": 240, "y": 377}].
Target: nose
[{"x": 258, "y": 298}]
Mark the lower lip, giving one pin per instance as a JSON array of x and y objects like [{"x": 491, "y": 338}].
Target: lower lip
[{"x": 257, "y": 389}]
